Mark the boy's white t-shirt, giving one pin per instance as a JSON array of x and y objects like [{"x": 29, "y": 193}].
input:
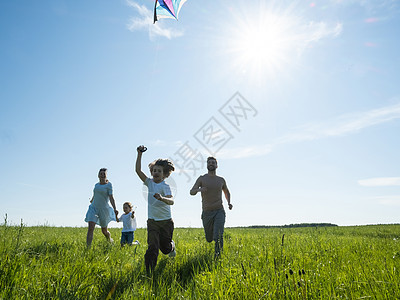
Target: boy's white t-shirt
[
  {"x": 158, "y": 210},
  {"x": 129, "y": 223}
]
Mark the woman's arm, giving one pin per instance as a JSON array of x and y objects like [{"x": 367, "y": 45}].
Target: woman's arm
[{"x": 112, "y": 201}]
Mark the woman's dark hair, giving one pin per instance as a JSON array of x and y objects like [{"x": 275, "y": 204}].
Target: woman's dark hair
[
  {"x": 166, "y": 164},
  {"x": 103, "y": 170}
]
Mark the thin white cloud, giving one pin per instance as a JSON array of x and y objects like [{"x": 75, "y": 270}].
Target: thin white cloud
[
  {"x": 351, "y": 123},
  {"x": 281, "y": 26},
  {"x": 144, "y": 21},
  {"x": 380, "y": 181},
  {"x": 158, "y": 143},
  {"x": 315, "y": 31},
  {"x": 165, "y": 143},
  {"x": 390, "y": 200},
  {"x": 305, "y": 35},
  {"x": 242, "y": 152},
  {"x": 340, "y": 126}
]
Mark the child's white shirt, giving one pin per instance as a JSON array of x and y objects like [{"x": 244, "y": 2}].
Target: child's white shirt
[
  {"x": 158, "y": 210},
  {"x": 129, "y": 223}
]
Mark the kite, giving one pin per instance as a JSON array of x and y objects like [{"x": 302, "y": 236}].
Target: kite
[{"x": 167, "y": 9}]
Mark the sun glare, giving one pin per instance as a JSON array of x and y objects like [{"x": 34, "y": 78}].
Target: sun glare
[
  {"x": 264, "y": 45},
  {"x": 261, "y": 44}
]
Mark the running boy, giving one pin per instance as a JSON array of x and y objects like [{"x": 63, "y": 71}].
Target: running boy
[
  {"x": 160, "y": 226},
  {"x": 129, "y": 225}
]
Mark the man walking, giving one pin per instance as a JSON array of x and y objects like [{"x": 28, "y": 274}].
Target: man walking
[{"x": 211, "y": 187}]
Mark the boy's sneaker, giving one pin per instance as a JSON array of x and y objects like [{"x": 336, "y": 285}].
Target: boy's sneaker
[{"x": 173, "y": 252}]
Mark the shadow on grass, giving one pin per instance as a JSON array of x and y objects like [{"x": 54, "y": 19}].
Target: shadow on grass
[
  {"x": 193, "y": 266},
  {"x": 114, "y": 287},
  {"x": 165, "y": 275}
]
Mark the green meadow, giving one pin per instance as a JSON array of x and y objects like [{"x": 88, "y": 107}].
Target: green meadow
[{"x": 359, "y": 262}]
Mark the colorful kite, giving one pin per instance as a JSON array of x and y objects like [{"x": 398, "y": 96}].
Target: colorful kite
[{"x": 167, "y": 9}]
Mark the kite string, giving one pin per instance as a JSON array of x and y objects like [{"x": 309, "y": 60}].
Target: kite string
[{"x": 153, "y": 73}]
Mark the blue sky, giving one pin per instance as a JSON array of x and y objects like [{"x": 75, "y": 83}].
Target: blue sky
[{"x": 298, "y": 100}]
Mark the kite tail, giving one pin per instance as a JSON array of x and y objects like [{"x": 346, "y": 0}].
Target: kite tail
[{"x": 155, "y": 13}]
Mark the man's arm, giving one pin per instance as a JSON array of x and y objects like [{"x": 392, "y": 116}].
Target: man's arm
[
  {"x": 197, "y": 187},
  {"x": 227, "y": 195},
  {"x": 141, "y": 175}
]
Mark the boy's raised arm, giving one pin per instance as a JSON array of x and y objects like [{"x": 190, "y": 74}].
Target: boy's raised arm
[{"x": 141, "y": 175}]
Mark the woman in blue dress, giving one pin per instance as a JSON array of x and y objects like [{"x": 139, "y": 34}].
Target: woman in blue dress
[{"x": 100, "y": 211}]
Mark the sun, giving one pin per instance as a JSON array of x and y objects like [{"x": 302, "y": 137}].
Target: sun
[{"x": 263, "y": 44}]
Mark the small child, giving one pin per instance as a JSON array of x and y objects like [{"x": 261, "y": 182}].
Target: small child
[
  {"x": 129, "y": 225},
  {"x": 160, "y": 226}
]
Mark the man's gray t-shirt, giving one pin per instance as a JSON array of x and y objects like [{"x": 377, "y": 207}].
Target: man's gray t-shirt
[{"x": 212, "y": 197}]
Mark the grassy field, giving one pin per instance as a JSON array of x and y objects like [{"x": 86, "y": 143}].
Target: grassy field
[{"x": 296, "y": 263}]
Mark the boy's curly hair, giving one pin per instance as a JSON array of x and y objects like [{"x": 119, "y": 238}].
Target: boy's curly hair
[{"x": 166, "y": 164}]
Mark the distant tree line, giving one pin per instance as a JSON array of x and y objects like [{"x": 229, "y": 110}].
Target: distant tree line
[{"x": 295, "y": 225}]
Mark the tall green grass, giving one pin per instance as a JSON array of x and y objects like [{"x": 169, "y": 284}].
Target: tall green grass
[{"x": 296, "y": 263}]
